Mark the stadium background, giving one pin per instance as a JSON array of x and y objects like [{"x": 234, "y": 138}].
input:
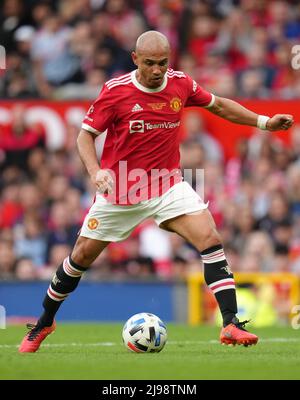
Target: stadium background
[{"x": 58, "y": 55}]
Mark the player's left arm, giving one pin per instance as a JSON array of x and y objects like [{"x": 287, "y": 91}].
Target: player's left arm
[{"x": 236, "y": 113}]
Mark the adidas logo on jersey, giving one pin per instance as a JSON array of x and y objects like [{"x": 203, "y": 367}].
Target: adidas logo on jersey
[{"x": 137, "y": 107}]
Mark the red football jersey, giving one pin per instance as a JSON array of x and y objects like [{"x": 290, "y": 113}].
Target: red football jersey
[{"x": 141, "y": 149}]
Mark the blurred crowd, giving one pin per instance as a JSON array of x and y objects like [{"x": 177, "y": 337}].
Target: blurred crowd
[{"x": 67, "y": 49}]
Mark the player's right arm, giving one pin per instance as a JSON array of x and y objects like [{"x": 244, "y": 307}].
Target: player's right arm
[
  {"x": 98, "y": 118},
  {"x": 87, "y": 151}
]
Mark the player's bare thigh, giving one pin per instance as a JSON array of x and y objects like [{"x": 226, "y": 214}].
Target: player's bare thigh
[
  {"x": 197, "y": 228},
  {"x": 86, "y": 250}
]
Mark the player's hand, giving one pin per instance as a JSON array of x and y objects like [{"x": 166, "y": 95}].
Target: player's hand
[
  {"x": 103, "y": 181},
  {"x": 280, "y": 122}
]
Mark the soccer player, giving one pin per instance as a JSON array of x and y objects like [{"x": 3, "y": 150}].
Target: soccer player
[{"x": 140, "y": 178}]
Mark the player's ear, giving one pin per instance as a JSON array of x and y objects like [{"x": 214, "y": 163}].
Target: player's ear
[{"x": 134, "y": 57}]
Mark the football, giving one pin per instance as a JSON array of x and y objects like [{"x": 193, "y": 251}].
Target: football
[{"x": 144, "y": 333}]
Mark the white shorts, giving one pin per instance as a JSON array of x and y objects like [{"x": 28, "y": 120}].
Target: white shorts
[{"x": 113, "y": 223}]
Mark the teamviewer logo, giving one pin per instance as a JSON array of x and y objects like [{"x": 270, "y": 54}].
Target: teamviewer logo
[
  {"x": 2, "y": 58},
  {"x": 136, "y": 126}
]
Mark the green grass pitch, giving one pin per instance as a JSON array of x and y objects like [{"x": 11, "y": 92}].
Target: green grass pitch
[{"x": 95, "y": 351}]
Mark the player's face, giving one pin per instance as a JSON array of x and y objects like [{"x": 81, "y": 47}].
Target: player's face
[{"x": 151, "y": 68}]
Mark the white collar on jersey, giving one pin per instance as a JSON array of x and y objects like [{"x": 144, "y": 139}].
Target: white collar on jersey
[{"x": 144, "y": 88}]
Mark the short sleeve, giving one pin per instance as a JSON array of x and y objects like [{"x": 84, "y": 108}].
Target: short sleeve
[
  {"x": 100, "y": 114},
  {"x": 197, "y": 96}
]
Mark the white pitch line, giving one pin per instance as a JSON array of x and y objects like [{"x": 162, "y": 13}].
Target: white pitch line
[
  {"x": 171, "y": 342},
  {"x": 65, "y": 344}
]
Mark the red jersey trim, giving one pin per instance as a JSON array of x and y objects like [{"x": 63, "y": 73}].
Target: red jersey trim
[
  {"x": 211, "y": 103},
  {"x": 178, "y": 74},
  {"x": 90, "y": 129},
  {"x": 124, "y": 81},
  {"x": 144, "y": 88},
  {"x": 120, "y": 78}
]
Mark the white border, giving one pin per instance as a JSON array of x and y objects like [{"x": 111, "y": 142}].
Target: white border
[{"x": 145, "y": 89}]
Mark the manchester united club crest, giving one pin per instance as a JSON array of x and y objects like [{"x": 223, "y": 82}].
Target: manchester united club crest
[
  {"x": 92, "y": 223},
  {"x": 176, "y": 104}
]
